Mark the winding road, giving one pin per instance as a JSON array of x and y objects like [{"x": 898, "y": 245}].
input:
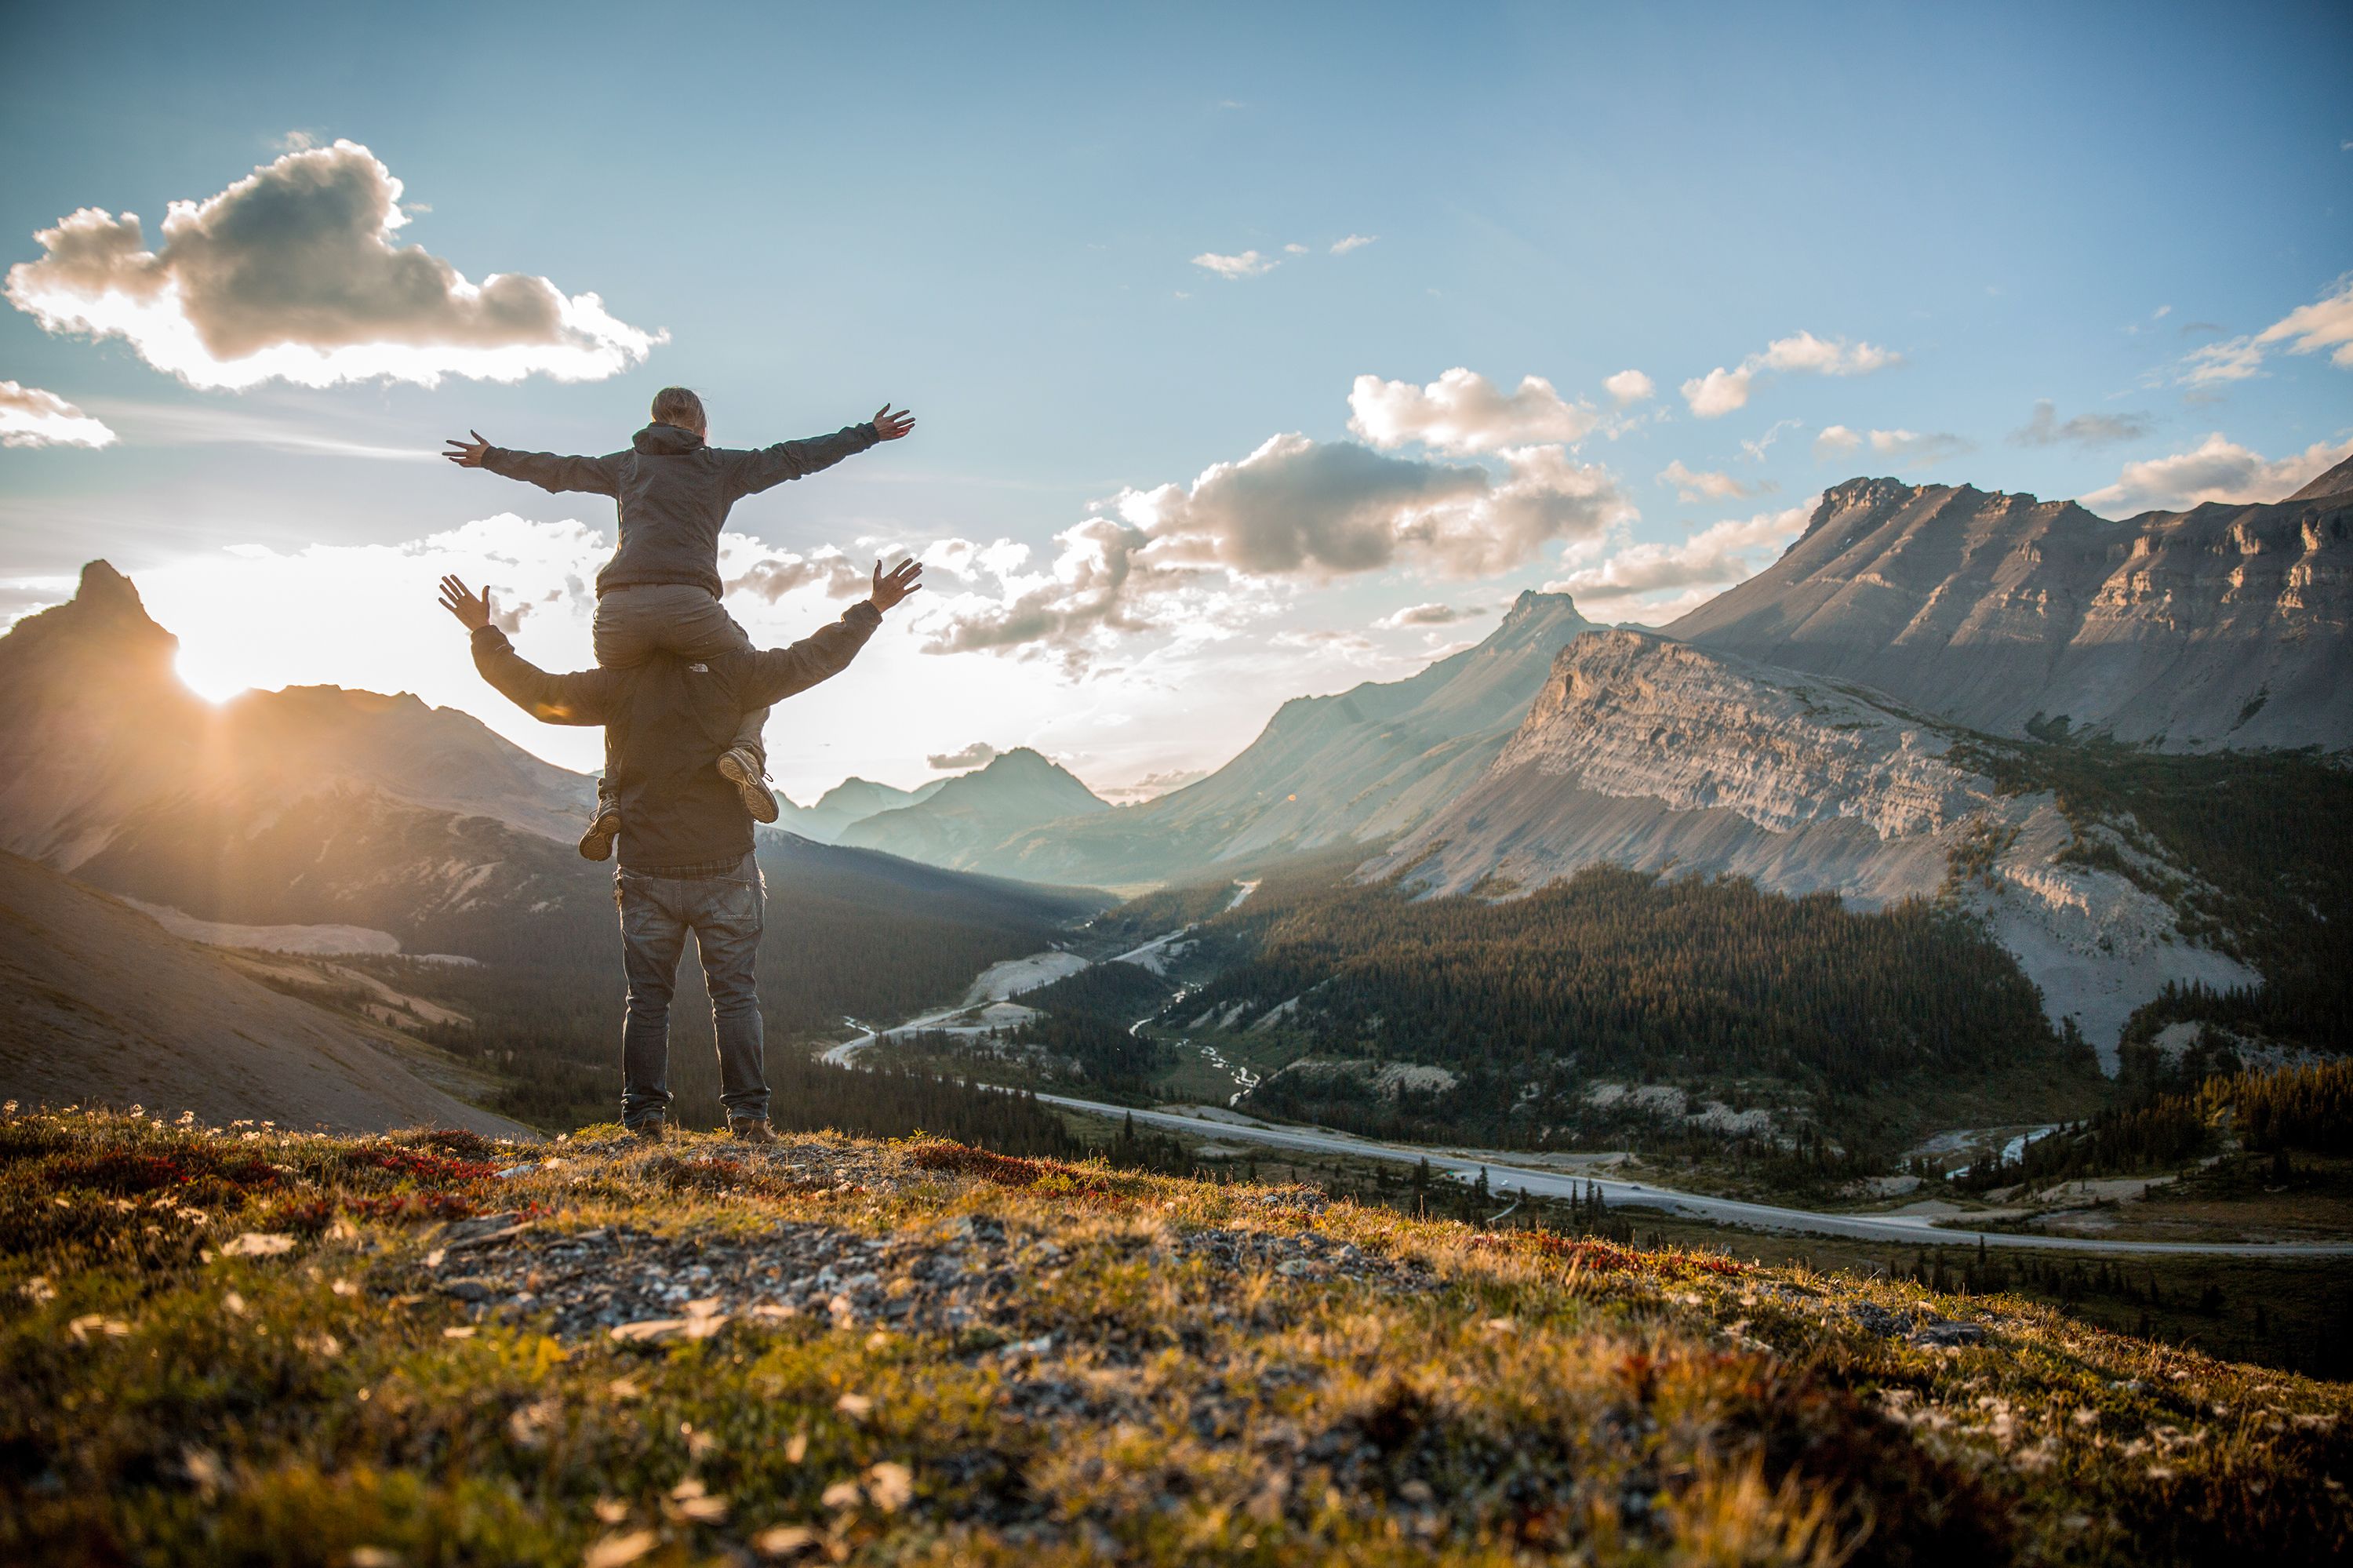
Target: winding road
[{"x": 1535, "y": 1180}]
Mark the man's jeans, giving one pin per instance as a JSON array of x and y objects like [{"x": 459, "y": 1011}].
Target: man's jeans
[
  {"x": 725, "y": 913},
  {"x": 633, "y": 624}
]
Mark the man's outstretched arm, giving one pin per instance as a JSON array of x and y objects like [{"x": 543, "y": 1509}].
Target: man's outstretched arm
[
  {"x": 582, "y": 697},
  {"x": 753, "y": 471},
  {"x": 773, "y": 674},
  {"x": 589, "y": 475}
]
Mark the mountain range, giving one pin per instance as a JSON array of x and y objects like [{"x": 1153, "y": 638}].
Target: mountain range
[
  {"x": 2221, "y": 627},
  {"x": 320, "y": 819},
  {"x": 957, "y": 822}
]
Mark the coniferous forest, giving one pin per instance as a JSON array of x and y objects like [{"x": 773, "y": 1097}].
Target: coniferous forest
[{"x": 1622, "y": 975}]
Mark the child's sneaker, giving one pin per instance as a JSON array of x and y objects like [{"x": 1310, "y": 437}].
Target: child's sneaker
[
  {"x": 596, "y": 843},
  {"x": 743, "y": 770}
]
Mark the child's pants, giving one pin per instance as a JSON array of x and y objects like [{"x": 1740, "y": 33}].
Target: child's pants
[{"x": 635, "y": 623}]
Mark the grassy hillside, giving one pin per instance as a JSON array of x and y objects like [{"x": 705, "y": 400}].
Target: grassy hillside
[{"x": 253, "y": 1346}]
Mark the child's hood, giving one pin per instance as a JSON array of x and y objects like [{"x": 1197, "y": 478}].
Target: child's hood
[{"x": 665, "y": 441}]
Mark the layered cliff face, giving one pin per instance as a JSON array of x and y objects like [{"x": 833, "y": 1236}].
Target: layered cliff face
[
  {"x": 1356, "y": 766},
  {"x": 1646, "y": 752},
  {"x": 2221, "y": 627}
]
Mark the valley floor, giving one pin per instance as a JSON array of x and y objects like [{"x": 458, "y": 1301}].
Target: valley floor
[{"x": 259, "y": 1346}]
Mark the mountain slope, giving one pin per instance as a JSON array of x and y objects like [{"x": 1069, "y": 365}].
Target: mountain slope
[
  {"x": 1358, "y": 765},
  {"x": 1651, "y": 754},
  {"x": 2225, "y": 626},
  {"x": 98, "y": 1004},
  {"x": 851, "y": 801},
  {"x": 957, "y": 821}
]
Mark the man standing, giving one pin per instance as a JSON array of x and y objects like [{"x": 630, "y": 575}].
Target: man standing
[{"x": 686, "y": 860}]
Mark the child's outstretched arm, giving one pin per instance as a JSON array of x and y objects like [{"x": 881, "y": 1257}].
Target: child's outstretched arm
[
  {"x": 582, "y": 697},
  {"x": 751, "y": 473},
  {"x": 592, "y": 476}
]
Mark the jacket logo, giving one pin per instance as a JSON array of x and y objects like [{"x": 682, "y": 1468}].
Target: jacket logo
[{"x": 699, "y": 669}]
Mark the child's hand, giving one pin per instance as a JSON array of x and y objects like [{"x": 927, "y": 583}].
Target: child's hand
[
  {"x": 473, "y": 611},
  {"x": 889, "y": 425},
  {"x": 895, "y": 585},
  {"x": 470, "y": 453}
]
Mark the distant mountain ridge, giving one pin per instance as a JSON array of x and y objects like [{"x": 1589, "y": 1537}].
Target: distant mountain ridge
[
  {"x": 2222, "y": 627},
  {"x": 954, "y": 822},
  {"x": 851, "y": 801},
  {"x": 1354, "y": 766}
]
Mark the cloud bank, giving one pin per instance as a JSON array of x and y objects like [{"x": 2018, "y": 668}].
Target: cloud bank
[
  {"x": 1712, "y": 559},
  {"x": 1194, "y": 560},
  {"x": 2214, "y": 470},
  {"x": 292, "y": 273},
  {"x": 1462, "y": 412},
  {"x": 32, "y": 418}
]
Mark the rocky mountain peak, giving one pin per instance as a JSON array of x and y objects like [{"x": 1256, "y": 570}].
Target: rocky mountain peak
[
  {"x": 2338, "y": 481},
  {"x": 105, "y": 620}
]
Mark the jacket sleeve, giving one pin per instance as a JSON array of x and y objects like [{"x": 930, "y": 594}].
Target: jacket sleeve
[
  {"x": 585, "y": 698},
  {"x": 593, "y": 475},
  {"x": 748, "y": 473},
  {"x": 769, "y": 674}
]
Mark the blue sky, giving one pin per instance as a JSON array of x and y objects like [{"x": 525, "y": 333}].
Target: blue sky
[{"x": 994, "y": 216}]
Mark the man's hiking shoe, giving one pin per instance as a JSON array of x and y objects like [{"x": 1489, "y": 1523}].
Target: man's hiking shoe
[
  {"x": 651, "y": 1130},
  {"x": 742, "y": 771},
  {"x": 751, "y": 1129},
  {"x": 596, "y": 843}
]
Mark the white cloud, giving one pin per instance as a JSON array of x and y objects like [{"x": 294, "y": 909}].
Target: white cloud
[
  {"x": 2327, "y": 323},
  {"x": 2043, "y": 428},
  {"x": 1152, "y": 784},
  {"x": 291, "y": 273},
  {"x": 1426, "y": 615},
  {"x": 1353, "y": 242},
  {"x": 1294, "y": 251},
  {"x": 1913, "y": 449},
  {"x": 1249, "y": 264},
  {"x": 1714, "y": 559},
  {"x": 1721, "y": 391},
  {"x": 1702, "y": 485},
  {"x": 979, "y": 753},
  {"x": 772, "y": 576},
  {"x": 1717, "y": 393},
  {"x": 1192, "y": 562},
  {"x": 1835, "y": 438},
  {"x": 32, "y": 418},
  {"x": 1353, "y": 647},
  {"x": 2214, "y": 470},
  {"x": 1629, "y": 387},
  {"x": 1463, "y": 412},
  {"x": 1754, "y": 449}
]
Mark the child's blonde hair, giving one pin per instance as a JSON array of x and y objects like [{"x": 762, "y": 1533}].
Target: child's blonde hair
[{"x": 676, "y": 406}]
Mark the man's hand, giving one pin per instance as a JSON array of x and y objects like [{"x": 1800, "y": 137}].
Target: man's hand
[
  {"x": 470, "y": 453},
  {"x": 473, "y": 611},
  {"x": 889, "y": 425},
  {"x": 895, "y": 585}
]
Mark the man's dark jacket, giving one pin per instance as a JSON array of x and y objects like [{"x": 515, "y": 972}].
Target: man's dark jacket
[
  {"x": 666, "y": 721},
  {"x": 673, "y": 493}
]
